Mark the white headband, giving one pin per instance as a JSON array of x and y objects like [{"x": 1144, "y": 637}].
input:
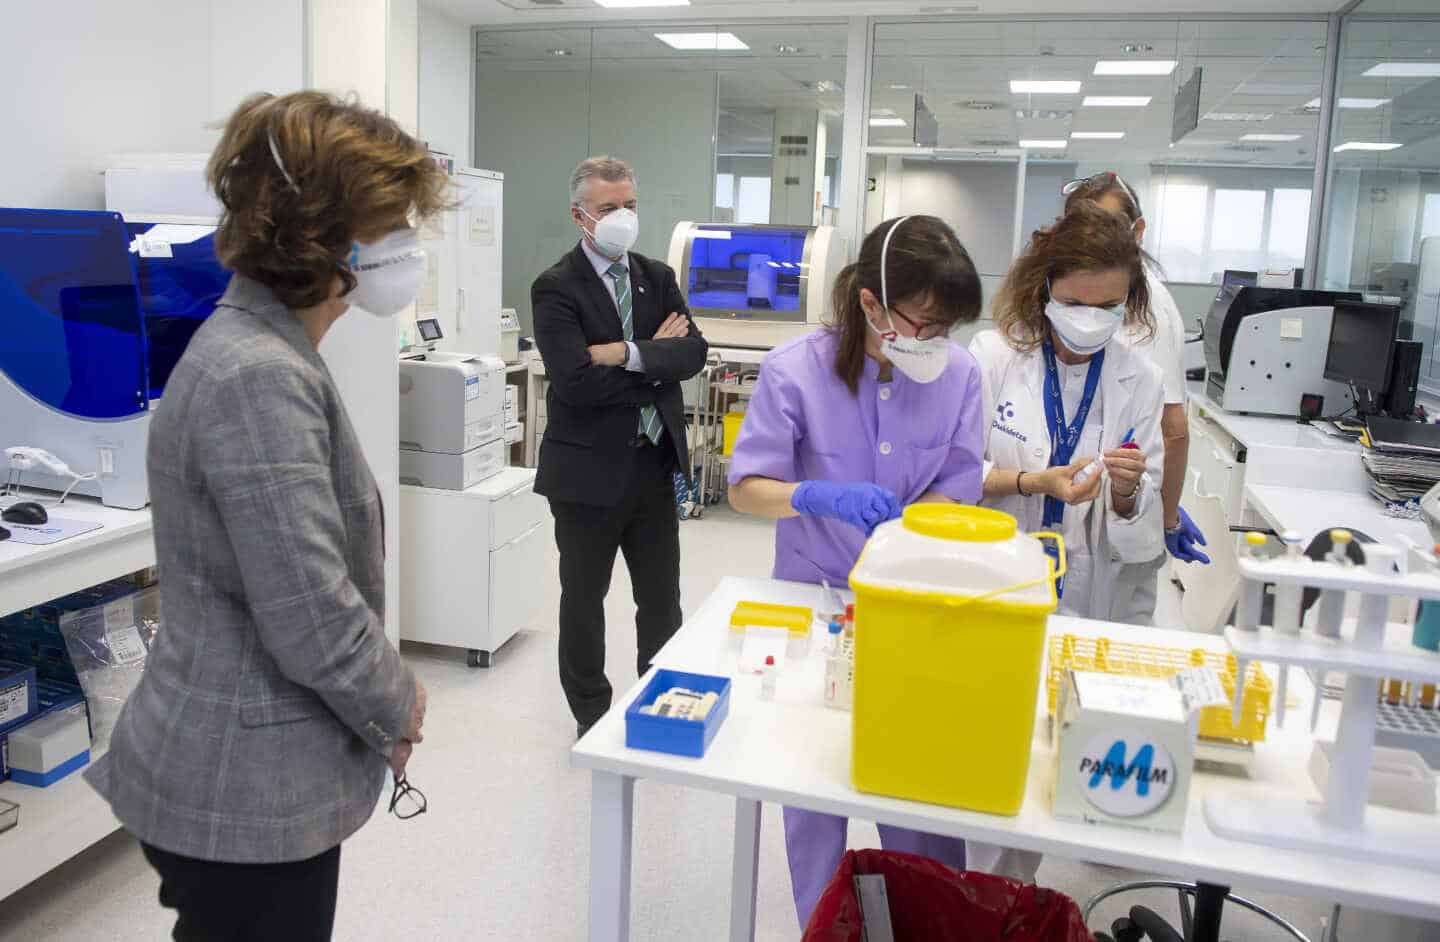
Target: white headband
[
  {"x": 884, "y": 252},
  {"x": 275, "y": 153}
]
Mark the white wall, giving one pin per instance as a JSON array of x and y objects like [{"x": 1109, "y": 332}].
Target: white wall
[
  {"x": 445, "y": 84},
  {"x": 349, "y": 53},
  {"x": 87, "y": 78},
  {"x": 976, "y": 199},
  {"x": 237, "y": 32}
]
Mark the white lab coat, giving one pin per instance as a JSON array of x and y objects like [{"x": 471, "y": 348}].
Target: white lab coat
[{"x": 1098, "y": 540}]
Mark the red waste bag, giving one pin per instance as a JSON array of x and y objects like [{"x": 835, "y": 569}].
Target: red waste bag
[{"x": 929, "y": 902}]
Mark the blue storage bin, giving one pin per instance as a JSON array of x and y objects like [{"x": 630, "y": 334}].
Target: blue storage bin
[{"x": 677, "y": 737}]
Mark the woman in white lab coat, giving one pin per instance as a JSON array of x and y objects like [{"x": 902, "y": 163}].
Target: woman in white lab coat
[{"x": 1062, "y": 388}]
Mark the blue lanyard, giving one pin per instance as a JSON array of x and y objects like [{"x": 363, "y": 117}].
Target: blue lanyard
[{"x": 1064, "y": 439}]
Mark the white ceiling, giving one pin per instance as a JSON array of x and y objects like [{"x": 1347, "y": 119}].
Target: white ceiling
[
  {"x": 1250, "y": 66},
  {"x": 516, "y": 12}
]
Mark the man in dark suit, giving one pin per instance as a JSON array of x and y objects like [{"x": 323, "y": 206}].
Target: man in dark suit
[{"x": 617, "y": 341}]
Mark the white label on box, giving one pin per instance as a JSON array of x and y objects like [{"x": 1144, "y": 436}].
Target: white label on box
[
  {"x": 126, "y": 645},
  {"x": 1125, "y": 773},
  {"x": 14, "y": 702},
  {"x": 1200, "y": 687},
  {"x": 472, "y": 388}
]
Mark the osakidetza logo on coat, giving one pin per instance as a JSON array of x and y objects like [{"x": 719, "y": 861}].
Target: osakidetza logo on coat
[
  {"x": 1004, "y": 414},
  {"x": 1126, "y": 773}
]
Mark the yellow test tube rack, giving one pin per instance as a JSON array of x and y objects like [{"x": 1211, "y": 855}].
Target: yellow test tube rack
[{"x": 1101, "y": 655}]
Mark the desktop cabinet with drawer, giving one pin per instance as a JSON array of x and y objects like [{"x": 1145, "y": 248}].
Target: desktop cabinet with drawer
[{"x": 474, "y": 564}]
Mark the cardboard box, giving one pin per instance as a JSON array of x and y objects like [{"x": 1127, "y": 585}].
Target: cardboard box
[
  {"x": 1125, "y": 752},
  {"x": 50, "y": 697}
]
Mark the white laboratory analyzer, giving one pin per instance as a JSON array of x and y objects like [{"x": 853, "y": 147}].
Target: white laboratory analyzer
[
  {"x": 452, "y": 419},
  {"x": 755, "y": 286}
]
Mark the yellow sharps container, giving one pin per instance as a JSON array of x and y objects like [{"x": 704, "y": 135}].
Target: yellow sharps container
[{"x": 950, "y": 611}]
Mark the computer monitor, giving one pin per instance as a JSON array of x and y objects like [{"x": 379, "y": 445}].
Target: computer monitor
[
  {"x": 429, "y": 329},
  {"x": 1234, "y": 278},
  {"x": 1362, "y": 343}
]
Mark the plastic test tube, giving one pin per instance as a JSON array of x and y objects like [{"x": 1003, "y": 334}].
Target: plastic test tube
[
  {"x": 1332, "y": 601},
  {"x": 1287, "y": 617},
  {"x": 1247, "y": 612}
]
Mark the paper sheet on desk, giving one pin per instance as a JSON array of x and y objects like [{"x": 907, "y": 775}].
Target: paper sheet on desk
[{"x": 53, "y": 532}]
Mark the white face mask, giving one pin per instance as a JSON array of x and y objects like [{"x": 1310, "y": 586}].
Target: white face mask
[
  {"x": 1083, "y": 329},
  {"x": 388, "y": 273},
  {"x": 616, "y": 233},
  {"x": 923, "y": 361}
]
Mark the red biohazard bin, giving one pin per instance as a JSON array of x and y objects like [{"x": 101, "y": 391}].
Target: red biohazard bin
[{"x": 929, "y": 902}]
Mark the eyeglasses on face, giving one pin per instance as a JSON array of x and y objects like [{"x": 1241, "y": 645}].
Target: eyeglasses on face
[{"x": 923, "y": 330}]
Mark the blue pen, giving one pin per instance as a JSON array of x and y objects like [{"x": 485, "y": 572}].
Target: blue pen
[{"x": 1129, "y": 437}]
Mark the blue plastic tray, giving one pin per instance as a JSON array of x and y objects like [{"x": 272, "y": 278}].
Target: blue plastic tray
[{"x": 677, "y": 737}]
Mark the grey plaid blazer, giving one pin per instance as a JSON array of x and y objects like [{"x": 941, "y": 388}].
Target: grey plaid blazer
[{"x": 261, "y": 729}]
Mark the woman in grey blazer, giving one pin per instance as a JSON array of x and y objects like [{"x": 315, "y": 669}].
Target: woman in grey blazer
[{"x": 272, "y": 705}]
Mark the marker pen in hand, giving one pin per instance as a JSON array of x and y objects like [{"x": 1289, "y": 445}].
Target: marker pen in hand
[{"x": 1129, "y": 440}]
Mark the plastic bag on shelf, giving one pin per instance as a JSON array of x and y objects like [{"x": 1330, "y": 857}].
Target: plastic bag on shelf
[{"x": 109, "y": 644}]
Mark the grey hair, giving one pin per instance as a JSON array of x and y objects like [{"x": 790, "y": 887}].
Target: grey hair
[{"x": 608, "y": 169}]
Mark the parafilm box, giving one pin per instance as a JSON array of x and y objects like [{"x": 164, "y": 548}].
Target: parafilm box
[{"x": 1125, "y": 752}]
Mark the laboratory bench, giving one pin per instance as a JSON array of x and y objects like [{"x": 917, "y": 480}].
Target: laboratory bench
[
  {"x": 60, "y": 821},
  {"x": 795, "y": 751}
]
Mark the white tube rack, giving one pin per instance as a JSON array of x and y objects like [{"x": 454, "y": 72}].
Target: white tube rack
[{"x": 1341, "y": 824}]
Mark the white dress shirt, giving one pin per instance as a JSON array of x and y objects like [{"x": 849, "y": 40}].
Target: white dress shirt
[{"x": 602, "y": 268}]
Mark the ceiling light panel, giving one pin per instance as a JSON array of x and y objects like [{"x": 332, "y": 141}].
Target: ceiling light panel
[
  {"x": 1367, "y": 146},
  {"x": 1116, "y": 101},
  {"x": 1044, "y": 144},
  {"x": 1135, "y": 66},
  {"x": 702, "y": 42},
  {"x": 1097, "y": 135},
  {"x": 1270, "y": 138},
  {"x": 1403, "y": 70},
  {"x": 1043, "y": 87}
]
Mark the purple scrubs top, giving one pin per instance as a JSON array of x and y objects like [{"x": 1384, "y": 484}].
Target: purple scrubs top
[{"x": 804, "y": 424}]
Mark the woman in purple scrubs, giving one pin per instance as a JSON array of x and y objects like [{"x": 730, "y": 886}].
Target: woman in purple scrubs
[{"x": 848, "y": 425}]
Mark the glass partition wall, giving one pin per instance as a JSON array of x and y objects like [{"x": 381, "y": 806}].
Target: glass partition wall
[
  {"x": 1382, "y": 220},
  {"x": 981, "y": 123},
  {"x": 723, "y": 123}
]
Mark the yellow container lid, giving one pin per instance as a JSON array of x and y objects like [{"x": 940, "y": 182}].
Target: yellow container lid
[
  {"x": 793, "y": 618},
  {"x": 959, "y": 522},
  {"x": 952, "y": 552}
]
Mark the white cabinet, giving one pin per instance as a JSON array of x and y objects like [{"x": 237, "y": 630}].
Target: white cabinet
[
  {"x": 475, "y": 565},
  {"x": 462, "y": 284}
]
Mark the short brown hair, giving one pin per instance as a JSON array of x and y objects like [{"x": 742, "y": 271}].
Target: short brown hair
[
  {"x": 925, "y": 263},
  {"x": 337, "y": 169},
  {"x": 1085, "y": 239}
]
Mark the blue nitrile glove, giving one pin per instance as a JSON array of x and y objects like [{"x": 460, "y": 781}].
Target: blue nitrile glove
[
  {"x": 865, "y": 506},
  {"x": 1181, "y": 541}
]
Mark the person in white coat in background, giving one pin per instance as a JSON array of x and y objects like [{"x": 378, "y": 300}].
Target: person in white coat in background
[
  {"x": 1062, "y": 389},
  {"x": 1165, "y": 347}
]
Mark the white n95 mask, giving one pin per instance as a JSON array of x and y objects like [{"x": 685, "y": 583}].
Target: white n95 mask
[
  {"x": 923, "y": 361},
  {"x": 1083, "y": 329},
  {"x": 616, "y": 233},
  {"x": 388, "y": 273}
]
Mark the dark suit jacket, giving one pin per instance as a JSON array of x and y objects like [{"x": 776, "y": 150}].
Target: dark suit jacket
[{"x": 586, "y": 455}]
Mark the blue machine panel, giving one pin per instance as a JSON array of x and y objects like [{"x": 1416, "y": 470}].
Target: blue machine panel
[
  {"x": 70, "y": 314},
  {"x": 177, "y": 293},
  {"x": 757, "y": 270}
]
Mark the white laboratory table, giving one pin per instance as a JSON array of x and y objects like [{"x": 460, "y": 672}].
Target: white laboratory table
[
  {"x": 58, "y": 822},
  {"x": 795, "y": 751},
  {"x": 1311, "y": 511}
]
